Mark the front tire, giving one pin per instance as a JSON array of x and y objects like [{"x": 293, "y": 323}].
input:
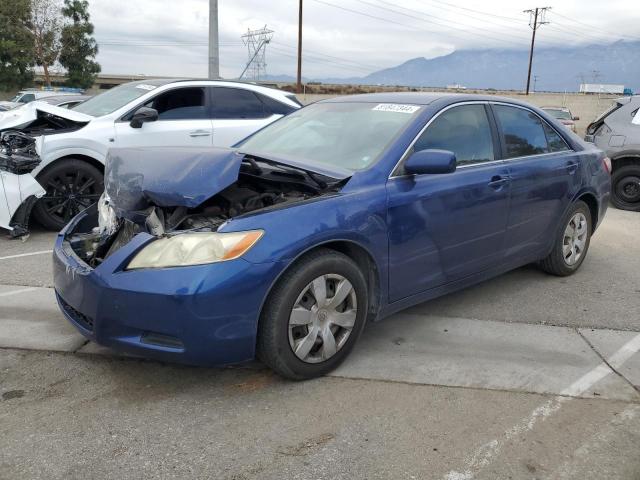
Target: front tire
[
  {"x": 72, "y": 185},
  {"x": 571, "y": 243},
  {"x": 313, "y": 316},
  {"x": 625, "y": 188}
]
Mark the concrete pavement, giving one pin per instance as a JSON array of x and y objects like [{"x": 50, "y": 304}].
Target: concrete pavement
[{"x": 523, "y": 376}]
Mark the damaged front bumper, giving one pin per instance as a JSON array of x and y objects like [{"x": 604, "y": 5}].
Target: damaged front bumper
[
  {"x": 202, "y": 315},
  {"x": 19, "y": 190}
]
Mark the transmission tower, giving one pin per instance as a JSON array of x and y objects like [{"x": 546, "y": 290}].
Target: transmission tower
[{"x": 256, "y": 42}]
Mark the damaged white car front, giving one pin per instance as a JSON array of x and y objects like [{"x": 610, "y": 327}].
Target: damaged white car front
[
  {"x": 22, "y": 134},
  {"x": 19, "y": 190}
]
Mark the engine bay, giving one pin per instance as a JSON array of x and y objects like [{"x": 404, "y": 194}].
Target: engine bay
[{"x": 259, "y": 188}]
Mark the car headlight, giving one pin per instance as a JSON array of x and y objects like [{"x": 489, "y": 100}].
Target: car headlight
[{"x": 196, "y": 248}]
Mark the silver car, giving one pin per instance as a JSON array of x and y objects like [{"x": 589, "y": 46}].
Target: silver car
[{"x": 617, "y": 132}]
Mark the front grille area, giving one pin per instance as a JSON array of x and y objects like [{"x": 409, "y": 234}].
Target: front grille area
[{"x": 80, "y": 318}]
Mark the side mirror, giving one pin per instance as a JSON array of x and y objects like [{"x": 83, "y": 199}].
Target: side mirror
[
  {"x": 575, "y": 119},
  {"x": 143, "y": 115},
  {"x": 430, "y": 161}
]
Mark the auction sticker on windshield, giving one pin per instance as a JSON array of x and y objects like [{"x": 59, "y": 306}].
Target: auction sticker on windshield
[
  {"x": 143, "y": 86},
  {"x": 396, "y": 107}
]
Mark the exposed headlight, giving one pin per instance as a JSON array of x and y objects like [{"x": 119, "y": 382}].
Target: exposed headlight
[{"x": 194, "y": 249}]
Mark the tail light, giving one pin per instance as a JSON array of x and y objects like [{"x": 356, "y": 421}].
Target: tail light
[{"x": 606, "y": 163}]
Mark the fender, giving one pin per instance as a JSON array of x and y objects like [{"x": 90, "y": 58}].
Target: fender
[
  {"x": 633, "y": 152},
  {"x": 69, "y": 152}
]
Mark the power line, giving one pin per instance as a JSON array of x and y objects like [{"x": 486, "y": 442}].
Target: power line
[
  {"x": 412, "y": 27},
  {"x": 586, "y": 26},
  {"x": 446, "y": 25},
  {"x": 357, "y": 12}
]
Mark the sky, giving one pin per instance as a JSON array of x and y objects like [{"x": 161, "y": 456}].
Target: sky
[{"x": 341, "y": 38}]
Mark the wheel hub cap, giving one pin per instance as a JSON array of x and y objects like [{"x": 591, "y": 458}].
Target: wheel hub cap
[
  {"x": 575, "y": 239},
  {"x": 322, "y": 318}
]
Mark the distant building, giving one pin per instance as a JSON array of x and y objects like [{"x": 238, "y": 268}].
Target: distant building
[
  {"x": 601, "y": 88},
  {"x": 456, "y": 86}
]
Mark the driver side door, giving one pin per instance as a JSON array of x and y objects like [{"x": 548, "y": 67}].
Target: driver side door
[
  {"x": 184, "y": 120},
  {"x": 445, "y": 227}
]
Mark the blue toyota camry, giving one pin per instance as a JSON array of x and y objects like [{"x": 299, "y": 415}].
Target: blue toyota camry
[{"x": 343, "y": 212}]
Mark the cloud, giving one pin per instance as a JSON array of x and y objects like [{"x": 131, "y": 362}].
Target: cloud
[{"x": 341, "y": 38}]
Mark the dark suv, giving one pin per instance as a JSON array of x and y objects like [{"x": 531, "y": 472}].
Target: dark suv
[{"x": 617, "y": 132}]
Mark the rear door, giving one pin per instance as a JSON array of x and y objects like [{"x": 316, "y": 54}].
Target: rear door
[
  {"x": 184, "y": 121},
  {"x": 544, "y": 175},
  {"x": 237, "y": 113},
  {"x": 445, "y": 227}
]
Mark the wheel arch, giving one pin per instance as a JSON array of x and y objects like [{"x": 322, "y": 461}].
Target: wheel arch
[
  {"x": 90, "y": 160},
  {"x": 592, "y": 202},
  {"x": 624, "y": 158}
]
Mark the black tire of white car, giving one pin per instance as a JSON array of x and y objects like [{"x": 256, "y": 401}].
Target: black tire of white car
[
  {"x": 556, "y": 263},
  {"x": 72, "y": 185},
  {"x": 273, "y": 342},
  {"x": 625, "y": 188}
]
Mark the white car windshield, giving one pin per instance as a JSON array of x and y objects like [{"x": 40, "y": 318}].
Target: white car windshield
[
  {"x": 350, "y": 136},
  {"x": 111, "y": 100}
]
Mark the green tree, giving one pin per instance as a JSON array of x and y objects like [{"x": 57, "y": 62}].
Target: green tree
[
  {"x": 79, "y": 48},
  {"x": 45, "y": 26},
  {"x": 16, "y": 44}
]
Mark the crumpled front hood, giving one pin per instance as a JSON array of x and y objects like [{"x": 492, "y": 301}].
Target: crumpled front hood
[
  {"x": 135, "y": 178},
  {"x": 22, "y": 116}
]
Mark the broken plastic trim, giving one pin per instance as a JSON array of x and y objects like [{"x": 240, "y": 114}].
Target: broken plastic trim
[{"x": 18, "y": 152}]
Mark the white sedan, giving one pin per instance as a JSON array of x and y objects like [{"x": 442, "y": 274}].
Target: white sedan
[{"x": 72, "y": 144}]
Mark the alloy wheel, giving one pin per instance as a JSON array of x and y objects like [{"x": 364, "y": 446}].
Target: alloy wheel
[
  {"x": 322, "y": 318},
  {"x": 68, "y": 193},
  {"x": 575, "y": 239}
]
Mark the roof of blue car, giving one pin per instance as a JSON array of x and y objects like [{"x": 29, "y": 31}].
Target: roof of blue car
[{"x": 417, "y": 98}]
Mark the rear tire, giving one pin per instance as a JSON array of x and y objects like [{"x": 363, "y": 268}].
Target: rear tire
[
  {"x": 625, "y": 188},
  {"x": 571, "y": 243},
  {"x": 72, "y": 185},
  {"x": 298, "y": 317}
]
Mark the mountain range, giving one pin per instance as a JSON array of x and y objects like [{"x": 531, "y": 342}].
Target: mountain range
[{"x": 557, "y": 69}]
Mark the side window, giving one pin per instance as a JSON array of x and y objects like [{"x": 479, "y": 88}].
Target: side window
[
  {"x": 274, "y": 107},
  {"x": 237, "y": 103},
  {"x": 27, "y": 97},
  {"x": 463, "y": 130},
  {"x": 523, "y": 131},
  {"x": 180, "y": 104},
  {"x": 555, "y": 141}
]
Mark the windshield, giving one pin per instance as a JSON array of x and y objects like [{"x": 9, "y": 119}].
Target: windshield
[
  {"x": 16, "y": 98},
  {"x": 112, "y": 100},
  {"x": 350, "y": 136},
  {"x": 559, "y": 114}
]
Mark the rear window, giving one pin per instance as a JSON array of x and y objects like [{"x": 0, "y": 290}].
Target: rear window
[
  {"x": 237, "y": 103},
  {"x": 523, "y": 131}
]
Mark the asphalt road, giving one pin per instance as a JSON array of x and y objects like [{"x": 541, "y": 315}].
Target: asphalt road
[{"x": 523, "y": 376}]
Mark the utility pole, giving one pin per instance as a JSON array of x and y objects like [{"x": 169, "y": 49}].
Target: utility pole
[
  {"x": 536, "y": 19},
  {"x": 299, "y": 83},
  {"x": 214, "y": 53}
]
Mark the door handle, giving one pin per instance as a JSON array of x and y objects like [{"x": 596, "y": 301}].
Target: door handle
[
  {"x": 497, "y": 182},
  {"x": 200, "y": 133},
  {"x": 572, "y": 167}
]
